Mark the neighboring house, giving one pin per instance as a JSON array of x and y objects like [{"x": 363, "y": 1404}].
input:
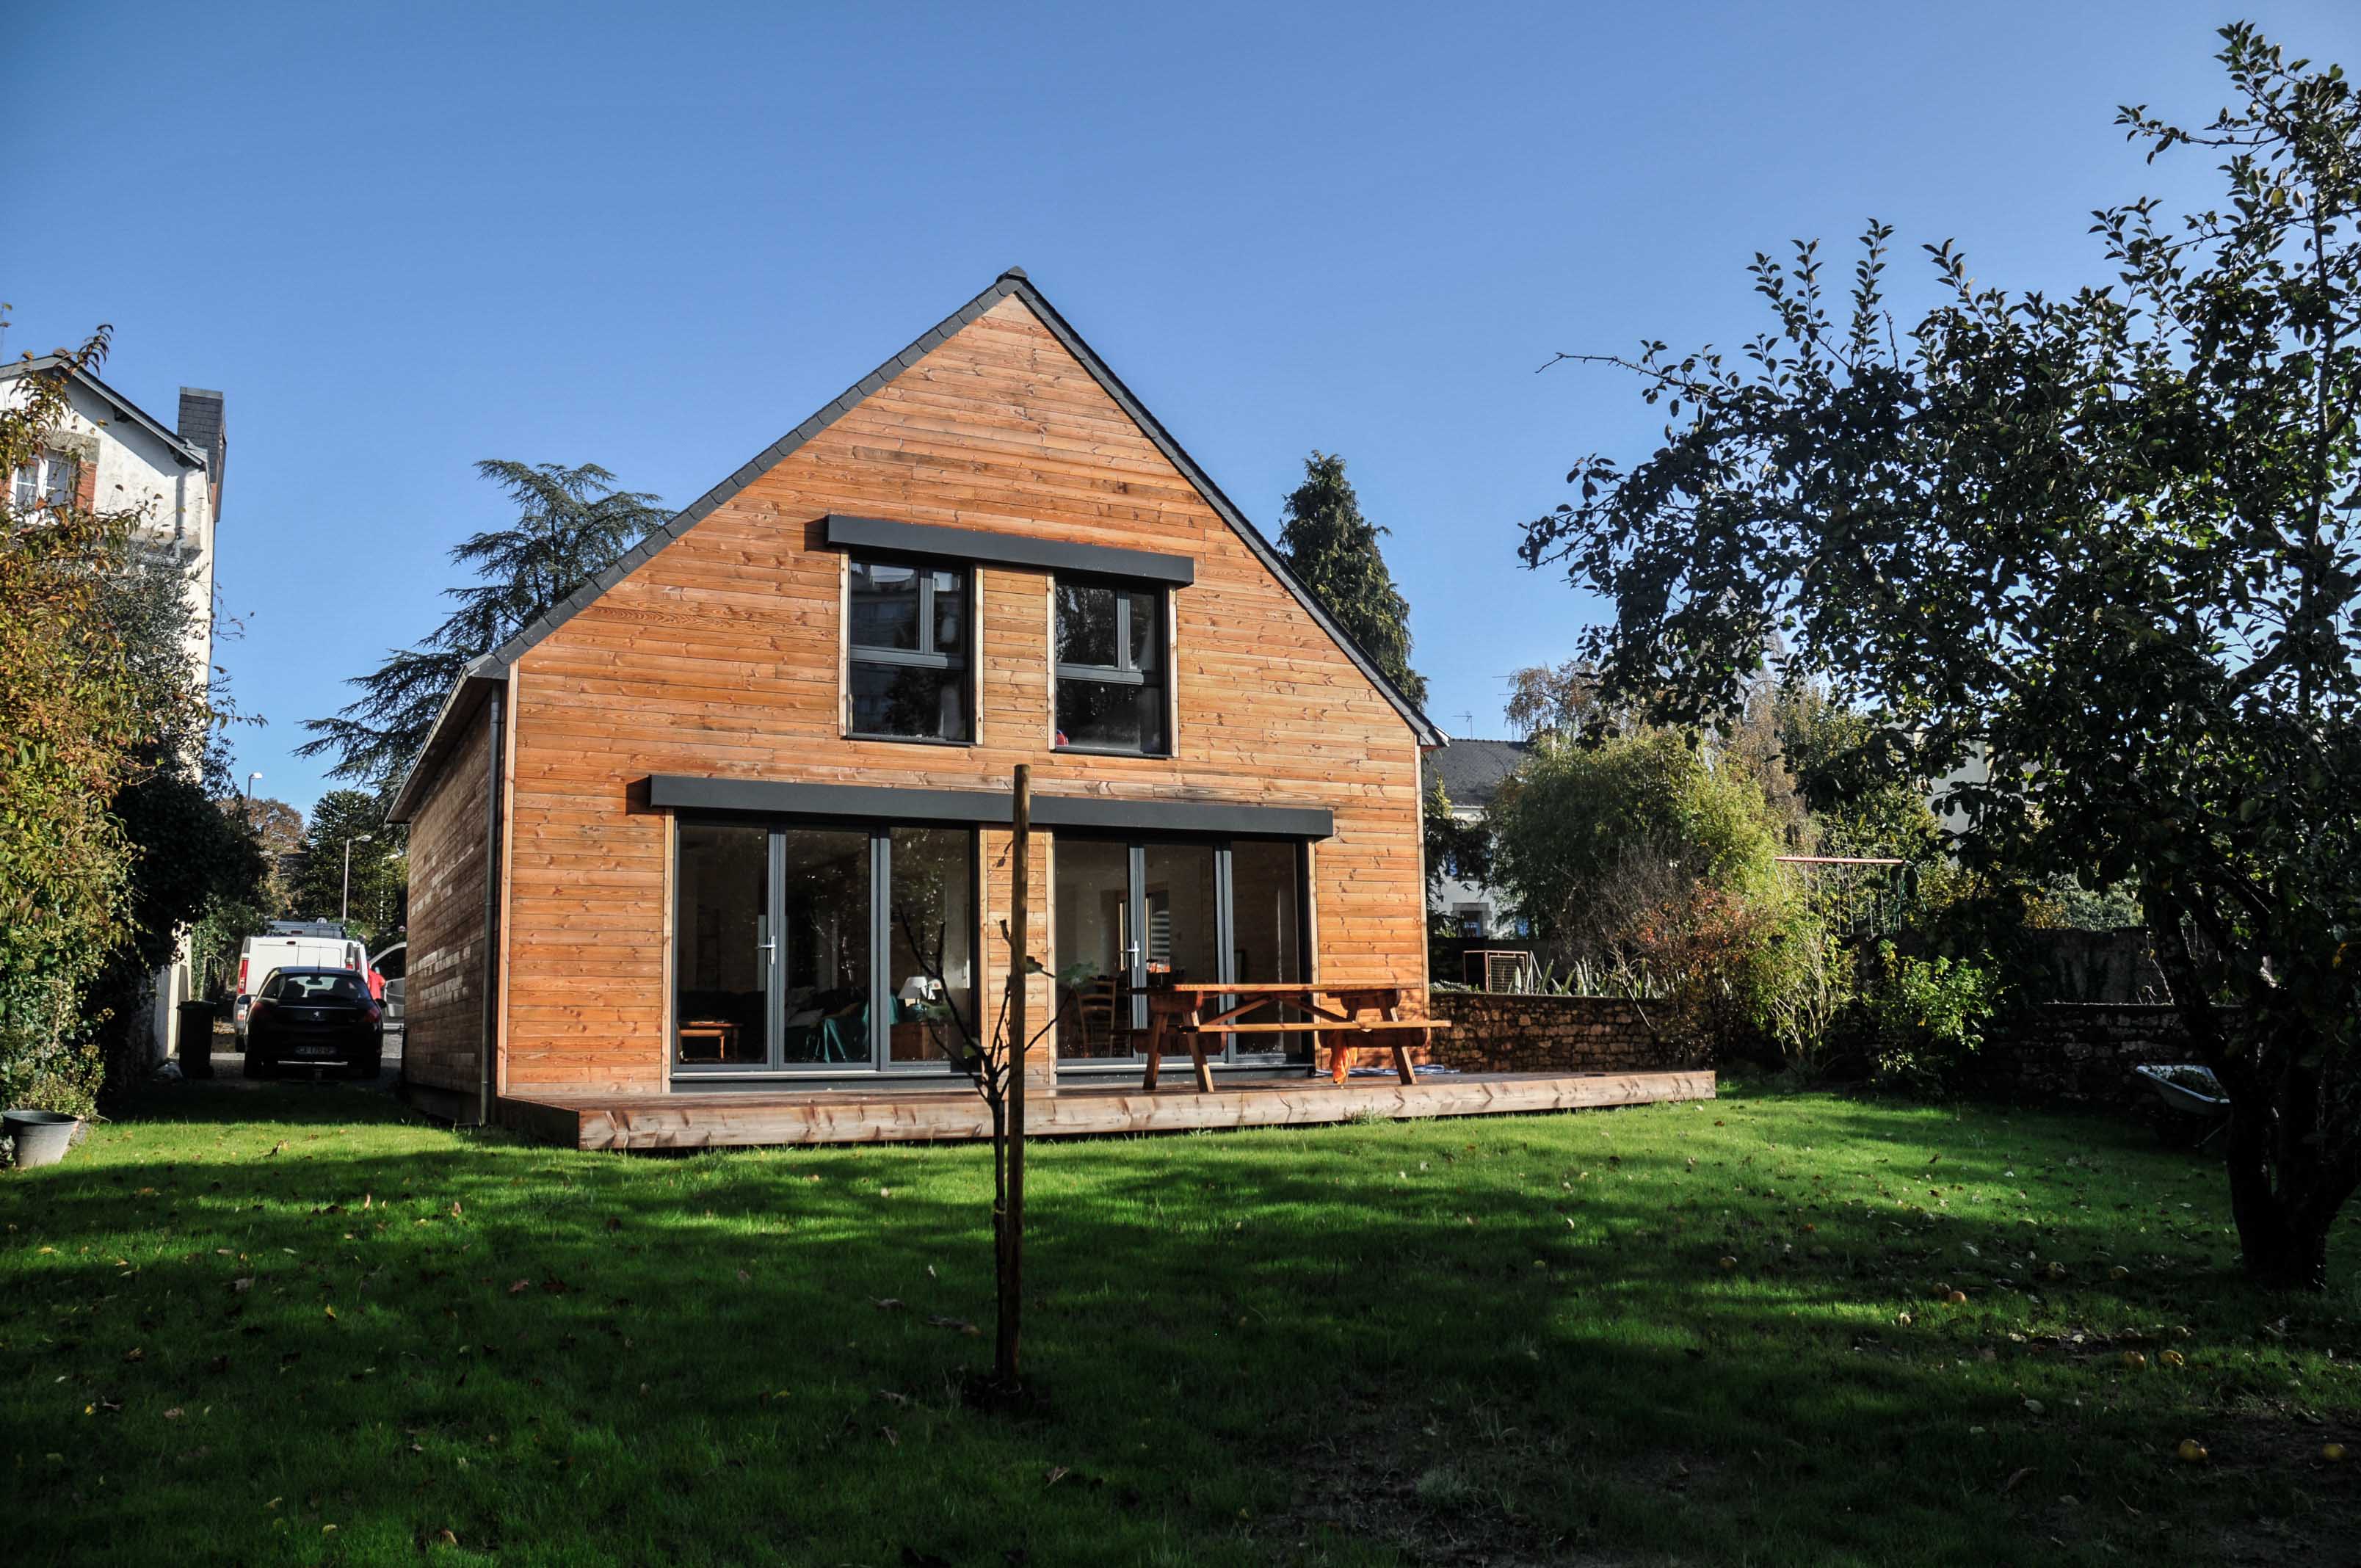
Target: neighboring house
[
  {"x": 1974, "y": 771},
  {"x": 1471, "y": 772},
  {"x": 112, "y": 456},
  {"x": 736, "y": 815}
]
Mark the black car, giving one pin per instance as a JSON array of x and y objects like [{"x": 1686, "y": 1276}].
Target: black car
[{"x": 314, "y": 1017}]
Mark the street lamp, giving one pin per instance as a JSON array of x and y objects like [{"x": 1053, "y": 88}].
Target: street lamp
[
  {"x": 249, "y": 784},
  {"x": 346, "y": 912}
]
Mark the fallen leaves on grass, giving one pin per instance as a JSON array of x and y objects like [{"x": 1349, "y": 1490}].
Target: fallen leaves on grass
[{"x": 959, "y": 1325}]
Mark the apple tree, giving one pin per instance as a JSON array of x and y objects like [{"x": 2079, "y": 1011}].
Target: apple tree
[{"x": 2101, "y": 546}]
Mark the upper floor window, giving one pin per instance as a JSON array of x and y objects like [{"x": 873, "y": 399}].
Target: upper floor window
[
  {"x": 47, "y": 480},
  {"x": 1111, "y": 668},
  {"x": 908, "y": 659}
]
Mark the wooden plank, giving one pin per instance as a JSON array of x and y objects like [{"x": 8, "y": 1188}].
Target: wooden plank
[{"x": 598, "y": 1120}]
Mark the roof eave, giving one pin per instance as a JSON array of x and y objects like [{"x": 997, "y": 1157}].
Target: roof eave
[
  {"x": 465, "y": 697},
  {"x": 1013, "y": 282},
  {"x": 139, "y": 416},
  {"x": 1421, "y": 726}
]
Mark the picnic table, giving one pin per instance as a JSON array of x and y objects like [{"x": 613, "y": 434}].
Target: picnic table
[{"x": 1341, "y": 1016}]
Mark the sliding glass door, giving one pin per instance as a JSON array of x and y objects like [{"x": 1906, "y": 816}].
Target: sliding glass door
[
  {"x": 721, "y": 970},
  {"x": 1144, "y": 916},
  {"x": 821, "y": 948},
  {"x": 1092, "y": 924}
]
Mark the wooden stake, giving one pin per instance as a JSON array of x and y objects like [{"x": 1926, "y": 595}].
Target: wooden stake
[{"x": 1020, "y": 911}]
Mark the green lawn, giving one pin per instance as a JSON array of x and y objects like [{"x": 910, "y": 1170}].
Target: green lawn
[{"x": 287, "y": 1325}]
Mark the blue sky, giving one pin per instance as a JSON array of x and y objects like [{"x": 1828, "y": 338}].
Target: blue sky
[{"x": 404, "y": 238}]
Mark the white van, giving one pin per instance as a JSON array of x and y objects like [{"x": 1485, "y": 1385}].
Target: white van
[
  {"x": 393, "y": 964},
  {"x": 289, "y": 944}
]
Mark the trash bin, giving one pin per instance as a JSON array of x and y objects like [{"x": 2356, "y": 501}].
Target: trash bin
[{"x": 196, "y": 1039}]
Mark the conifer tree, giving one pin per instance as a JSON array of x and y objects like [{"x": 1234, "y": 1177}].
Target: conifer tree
[
  {"x": 1332, "y": 550},
  {"x": 572, "y": 524}
]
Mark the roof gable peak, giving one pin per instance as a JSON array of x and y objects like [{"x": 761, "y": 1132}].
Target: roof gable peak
[{"x": 1012, "y": 284}]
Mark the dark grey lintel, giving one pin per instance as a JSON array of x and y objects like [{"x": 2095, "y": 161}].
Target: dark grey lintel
[
  {"x": 936, "y": 542},
  {"x": 984, "y": 808}
]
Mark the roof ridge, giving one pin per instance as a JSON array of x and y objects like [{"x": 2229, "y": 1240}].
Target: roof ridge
[
  {"x": 154, "y": 427},
  {"x": 1013, "y": 281}
]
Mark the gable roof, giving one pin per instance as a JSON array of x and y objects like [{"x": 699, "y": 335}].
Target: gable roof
[
  {"x": 1013, "y": 282},
  {"x": 1471, "y": 772},
  {"x": 124, "y": 406}
]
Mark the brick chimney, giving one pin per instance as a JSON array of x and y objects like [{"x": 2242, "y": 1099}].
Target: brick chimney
[{"x": 203, "y": 428}]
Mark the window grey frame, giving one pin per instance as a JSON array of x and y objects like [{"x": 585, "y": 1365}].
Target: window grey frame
[
  {"x": 1225, "y": 943},
  {"x": 879, "y": 832},
  {"x": 1126, "y": 671},
  {"x": 963, "y": 659}
]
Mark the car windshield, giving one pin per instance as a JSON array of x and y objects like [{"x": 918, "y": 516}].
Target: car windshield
[{"x": 316, "y": 986}]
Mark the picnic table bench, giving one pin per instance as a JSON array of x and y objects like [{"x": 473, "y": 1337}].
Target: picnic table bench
[{"x": 1343, "y": 1017}]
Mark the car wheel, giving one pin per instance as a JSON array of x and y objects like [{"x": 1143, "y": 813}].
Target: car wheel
[
  {"x": 367, "y": 1068},
  {"x": 257, "y": 1065}
]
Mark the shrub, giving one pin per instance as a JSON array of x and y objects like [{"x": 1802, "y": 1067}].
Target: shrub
[
  {"x": 1638, "y": 858},
  {"x": 1926, "y": 1017},
  {"x": 1754, "y": 976}
]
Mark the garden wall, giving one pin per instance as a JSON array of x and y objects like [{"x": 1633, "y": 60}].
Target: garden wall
[
  {"x": 2076, "y": 1051},
  {"x": 1507, "y": 1031},
  {"x": 2066, "y": 1051}
]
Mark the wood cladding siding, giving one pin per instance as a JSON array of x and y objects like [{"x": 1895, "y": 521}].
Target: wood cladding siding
[
  {"x": 721, "y": 654},
  {"x": 443, "y": 1001}
]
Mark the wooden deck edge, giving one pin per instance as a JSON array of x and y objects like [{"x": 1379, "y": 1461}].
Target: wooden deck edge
[
  {"x": 542, "y": 1122},
  {"x": 713, "y": 1121}
]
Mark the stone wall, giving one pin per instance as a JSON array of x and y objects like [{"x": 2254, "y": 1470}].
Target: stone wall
[
  {"x": 2076, "y": 1051},
  {"x": 1506, "y": 1032},
  {"x": 2069, "y": 1052}
]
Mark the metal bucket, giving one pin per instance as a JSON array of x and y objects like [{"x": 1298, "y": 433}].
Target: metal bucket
[{"x": 41, "y": 1137}]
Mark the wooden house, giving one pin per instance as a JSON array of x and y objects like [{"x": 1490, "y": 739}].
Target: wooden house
[{"x": 704, "y": 853}]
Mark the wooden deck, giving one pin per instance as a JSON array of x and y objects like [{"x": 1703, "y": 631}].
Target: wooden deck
[{"x": 592, "y": 1121}]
